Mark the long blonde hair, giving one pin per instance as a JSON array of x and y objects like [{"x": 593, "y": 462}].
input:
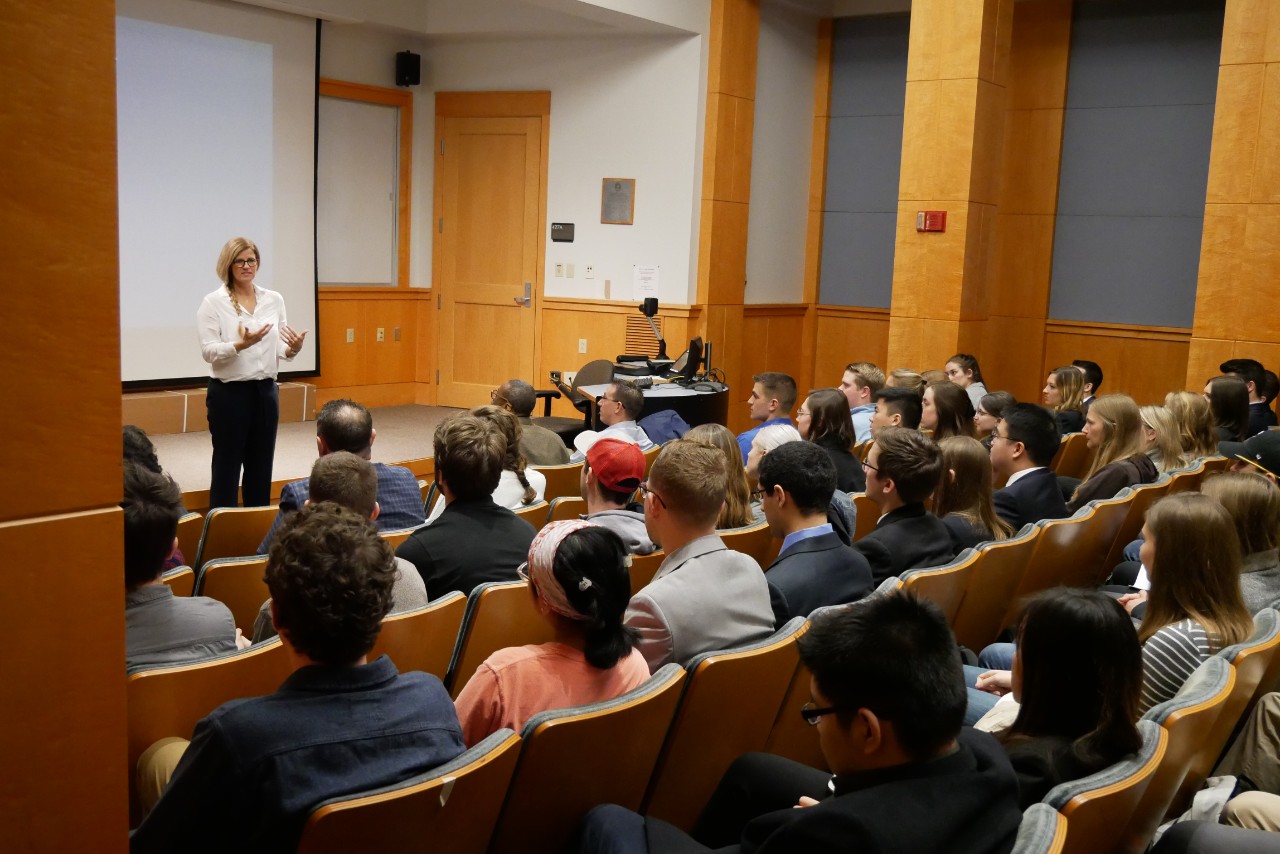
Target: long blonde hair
[
  {"x": 1121, "y": 430},
  {"x": 1195, "y": 423},
  {"x": 1070, "y": 382},
  {"x": 1166, "y": 444},
  {"x": 737, "y": 498},
  {"x": 1195, "y": 572},
  {"x": 968, "y": 492}
]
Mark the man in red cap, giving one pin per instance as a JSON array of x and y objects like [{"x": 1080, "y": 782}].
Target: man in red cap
[{"x": 610, "y": 477}]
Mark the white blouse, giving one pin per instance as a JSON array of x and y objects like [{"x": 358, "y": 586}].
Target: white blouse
[{"x": 219, "y": 328}]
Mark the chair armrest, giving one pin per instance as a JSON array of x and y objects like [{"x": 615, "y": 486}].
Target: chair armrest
[{"x": 546, "y": 396}]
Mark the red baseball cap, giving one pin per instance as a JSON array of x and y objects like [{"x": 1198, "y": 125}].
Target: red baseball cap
[{"x": 618, "y": 465}]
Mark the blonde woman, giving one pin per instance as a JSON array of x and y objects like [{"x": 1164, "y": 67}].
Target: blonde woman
[
  {"x": 963, "y": 501},
  {"x": 1113, "y": 429},
  {"x": 737, "y": 501},
  {"x": 1160, "y": 429},
  {"x": 906, "y": 378},
  {"x": 1064, "y": 393},
  {"x": 1195, "y": 423}
]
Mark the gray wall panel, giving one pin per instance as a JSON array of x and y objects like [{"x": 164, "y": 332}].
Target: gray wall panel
[
  {"x": 855, "y": 268},
  {"x": 869, "y": 65},
  {"x": 859, "y": 148}
]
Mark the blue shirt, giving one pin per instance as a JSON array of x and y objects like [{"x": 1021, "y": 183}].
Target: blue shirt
[
  {"x": 804, "y": 534},
  {"x": 862, "y": 421},
  {"x": 744, "y": 439}
]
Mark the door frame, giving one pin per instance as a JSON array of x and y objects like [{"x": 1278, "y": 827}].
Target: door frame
[{"x": 532, "y": 104}]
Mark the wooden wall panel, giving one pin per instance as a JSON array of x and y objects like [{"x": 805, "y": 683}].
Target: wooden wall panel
[
  {"x": 773, "y": 336},
  {"x": 1145, "y": 363},
  {"x": 848, "y": 335},
  {"x": 390, "y": 370}
]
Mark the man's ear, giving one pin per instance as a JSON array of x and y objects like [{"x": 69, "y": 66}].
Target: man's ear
[
  {"x": 321, "y": 447},
  {"x": 373, "y": 434},
  {"x": 895, "y": 420},
  {"x": 873, "y": 737},
  {"x": 173, "y": 550},
  {"x": 377, "y": 508},
  {"x": 888, "y": 487},
  {"x": 1019, "y": 450}
]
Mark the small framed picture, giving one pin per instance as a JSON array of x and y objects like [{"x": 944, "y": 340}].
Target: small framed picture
[{"x": 618, "y": 201}]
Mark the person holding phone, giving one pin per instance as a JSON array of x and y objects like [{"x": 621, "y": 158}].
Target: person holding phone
[{"x": 243, "y": 336}]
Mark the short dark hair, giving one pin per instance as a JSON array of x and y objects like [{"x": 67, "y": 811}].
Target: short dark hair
[
  {"x": 911, "y": 460},
  {"x": 804, "y": 471},
  {"x": 330, "y": 577},
  {"x": 994, "y": 403},
  {"x": 1092, "y": 373},
  {"x": 780, "y": 386},
  {"x": 520, "y": 395},
  {"x": 903, "y": 402},
  {"x": 691, "y": 479},
  {"x": 346, "y": 480},
  {"x": 345, "y": 426},
  {"x": 1249, "y": 370},
  {"x": 630, "y": 396},
  {"x": 152, "y": 506},
  {"x": 894, "y": 655},
  {"x": 138, "y": 448},
  {"x": 469, "y": 453},
  {"x": 1036, "y": 428},
  {"x": 1270, "y": 387}
]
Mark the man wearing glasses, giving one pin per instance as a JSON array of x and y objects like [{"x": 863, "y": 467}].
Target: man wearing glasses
[
  {"x": 620, "y": 406},
  {"x": 1022, "y": 447},
  {"x": 888, "y": 698},
  {"x": 540, "y": 446}
]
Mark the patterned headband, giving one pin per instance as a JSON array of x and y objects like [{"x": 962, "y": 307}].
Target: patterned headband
[{"x": 542, "y": 556}]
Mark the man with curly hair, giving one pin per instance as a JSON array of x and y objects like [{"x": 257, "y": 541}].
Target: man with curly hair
[{"x": 339, "y": 724}]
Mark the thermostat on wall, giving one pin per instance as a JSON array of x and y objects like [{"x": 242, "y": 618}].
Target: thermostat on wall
[{"x": 562, "y": 232}]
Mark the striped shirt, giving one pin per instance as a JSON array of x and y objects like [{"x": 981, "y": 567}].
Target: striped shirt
[{"x": 1169, "y": 657}]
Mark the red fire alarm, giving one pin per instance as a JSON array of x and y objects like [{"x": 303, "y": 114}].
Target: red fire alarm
[{"x": 931, "y": 221}]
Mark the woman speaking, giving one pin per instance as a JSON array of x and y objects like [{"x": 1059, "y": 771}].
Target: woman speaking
[{"x": 243, "y": 336}]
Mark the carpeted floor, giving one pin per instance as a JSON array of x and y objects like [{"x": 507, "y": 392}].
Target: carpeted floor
[{"x": 402, "y": 433}]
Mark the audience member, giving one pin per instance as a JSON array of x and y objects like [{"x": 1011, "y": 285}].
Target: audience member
[
  {"x": 344, "y": 425},
  {"x": 896, "y": 407},
  {"x": 1254, "y": 504},
  {"x": 962, "y": 369},
  {"x": 964, "y": 501},
  {"x": 1229, "y": 399},
  {"x": 577, "y": 574},
  {"x": 1064, "y": 394},
  {"x": 989, "y": 412},
  {"x": 139, "y": 449},
  {"x": 256, "y": 767},
  {"x": 1261, "y": 415},
  {"x": 906, "y": 378},
  {"x": 619, "y": 407},
  {"x": 351, "y": 482},
  {"x": 859, "y": 384},
  {"x": 704, "y": 597},
  {"x": 772, "y": 397},
  {"x": 540, "y": 446},
  {"x": 519, "y": 486},
  {"x": 1113, "y": 430},
  {"x": 1023, "y": 446},
  {"x": 160, "y": 628},
  {"x": 610, "y": 477},
  {"x": 946, "y": 411},
  {"x": 1195, "y": 423},
  {"x": 1164, "y": 442},
  {"x": 903, "y": 469},
  {"x": 814, "y": 567},
  {"x": 474, "y": 540},
  {"x": 1092, "y": 380},
  {"x": 1260, "y": 453},
  {"x": 887, "y": 702},
  {"x": 821, "y": 420},
  {"x": 1270, "y": 387},
  {"x": 765, "y": 441},
  {"x": 737, "y": 501}
]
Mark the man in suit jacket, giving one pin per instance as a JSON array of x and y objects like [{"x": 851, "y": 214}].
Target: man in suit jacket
[
  {"x": 1022, "y": 447},
  {"x": 704, "y": 596},
  {"x": 1092, "y": 380},
  {"x": 1261, "y": 416},
  {"x": 815, "y": 568},
  {"x": 344, "y": 425},
  {"x": 903, "y": 468},
  {"x": 888, "y": 698}
]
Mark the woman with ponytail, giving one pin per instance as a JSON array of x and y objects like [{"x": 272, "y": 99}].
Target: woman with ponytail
[
  {"x": 577, "y": 573},
  {"x": 519, "y": 485}
]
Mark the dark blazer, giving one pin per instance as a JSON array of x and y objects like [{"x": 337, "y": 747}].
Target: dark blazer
[
  {"x": 472, "y": 542},
  {"x": 1030, "y": 498},
  {"x": 1261, "y": 417},
  {"x": 849, "y": 474},
  {"x": 1069, "y": 421},
  {"x": 965, "y": 533},
  {"x": 819, "y": 571},
  {"x": 1113, "y": 477},
  {"x": 908, "y": 538}
]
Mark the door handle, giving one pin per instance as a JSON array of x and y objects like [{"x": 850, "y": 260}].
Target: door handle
[{"x": 527, "y": 298}]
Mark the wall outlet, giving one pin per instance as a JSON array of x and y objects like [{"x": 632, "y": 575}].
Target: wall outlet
[
  {"x": 569, "y": 377},
  {"x": 582, "y": 345},
  {"x": 351, "y": 335},
  {"x": 559, "y": 271},
  {"x": 589, "y": 271},
  {"x": 382, "y": 334},
  {"x": 568, "y": 271}
]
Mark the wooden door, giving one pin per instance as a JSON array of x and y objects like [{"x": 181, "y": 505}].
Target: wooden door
[{"x": 489, "y": 234}]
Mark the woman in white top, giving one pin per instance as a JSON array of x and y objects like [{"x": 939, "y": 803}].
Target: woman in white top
[
  {"x": 243, "y": 336},
  {"x": 519, "y": 486}
]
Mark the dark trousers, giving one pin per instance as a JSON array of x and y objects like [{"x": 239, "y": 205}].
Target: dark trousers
[{"x": 242, "y": 421}]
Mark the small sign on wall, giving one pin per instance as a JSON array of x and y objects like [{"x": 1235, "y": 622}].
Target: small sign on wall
[
  {"x": 618, "y": 201},
  {"x": 931, "y": 221}
]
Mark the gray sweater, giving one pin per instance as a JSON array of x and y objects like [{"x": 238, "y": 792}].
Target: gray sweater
[
  {"x": 1260, "y": 579},
  {"x": 629, "y": 525}
]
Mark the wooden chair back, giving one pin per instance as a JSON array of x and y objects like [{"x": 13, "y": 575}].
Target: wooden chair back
[
  {"x": 993, "y": 582},
  {"x": 561, "y": 480},
  {"x": 1140, "y": 500},
  {"x": 169, "y": 701},
  {"x": 566, "y": 508},
  {"x": 236, "y": 582},
  {"x": 451, "y": 809},
  {"x": 233, "y": 532},
  {"x": 424, "y": 638},
  {"x": 1188, "y": 479},
  {"x": 395, "y": 539},
  {"x": 945, "y": 585},
  {"x": 1054, "y": 557},
  {"x": 868, "y": 515},
  {"x": 1089, "y": 569},
  {"x": 429, "y": 496},
  {"x": 734, "y": 694},
  {"x": 1214, "y": 465},
  {"x": 499, "y": 614},
  {"x": 1043, "y": 831},
  {"x": 649, "y": 456},
  {"x": 535, "y": 514},
  {"x": 643, "y": 568},
  {"x": 181, "y": 580},
  {"x": 574, "y": 759},
  {"x": 1073, "y": 457},
  {"x": 790, "y": 735},
  {"x": 190, "y": 527},
  {"x": 861, "y": 450},
  {"x": 754, "y": 540}
]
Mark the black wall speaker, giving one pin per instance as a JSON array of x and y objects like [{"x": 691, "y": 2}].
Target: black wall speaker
[{"x": 408, "y": 68}]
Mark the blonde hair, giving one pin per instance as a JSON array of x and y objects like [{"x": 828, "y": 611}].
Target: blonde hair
[
  {"x": 230, "y": 250},
  {"x": 1254, "y": 504},
  {"x": 1195, "y": 423},
  {"x": 737, "y": 500},
  {"x": 1121, "y": 430},
  {"x": 689, "y": 478},
  {"x": 1070, "y": 382},
  {"x": 1166, "y": 445},
  {"x": 1195, "y": 573},
  {"x": 906, "y": 378},
  {"x": 968, "y": 493}
]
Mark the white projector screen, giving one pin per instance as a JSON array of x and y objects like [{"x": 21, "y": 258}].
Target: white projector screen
[{"x": 216, "y": 111}]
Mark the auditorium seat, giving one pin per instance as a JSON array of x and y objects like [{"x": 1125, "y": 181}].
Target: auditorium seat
[
  {"x": 1214, "y": 465},
  {"x": 1054, "y": 556},
  {"x": 576, "y": 758},
  {"x": 190, "y": 527},
  {"x": 943, "y": 585},
  {"x": 754, "y": 540},
  {"x": 561, "y": 480},
  {"x": 396, "y": 538},
  {"x": 566, "y": 508},
  {"x": 1141, "y": 499},
  {"x": 236, "y": 582},
  {"x": 1089, "y": 567},
  {"x": 649, "y": 456},
  {"x": 868, "y": 514},
  {"x": 1188, "y": 478},
  {"x": 993, "y": 581},
  {"x": 1073, "y": 457},
  {"x": 429, "y": 497},
  {"x": 643, "y": 568},
  {"x": 451, "y": 809},
  {"x": 181, "y": 580},
  {"x": 499, "y": 614},
  {"x": 790, "y": 735},
  {"x": 535, "y": 514},
  {"x": 424, "y": 638},
  {"x": 233, "y": 532},
  {"x": 1043, "y": 831}
]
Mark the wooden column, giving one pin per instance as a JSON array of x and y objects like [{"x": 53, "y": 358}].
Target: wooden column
[
  {"x": 1238, "y": 291},
  {"x": 952, "y": 136},
  {"x": 726, "y": 190},
  {"x": 62, "y": 724}
]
